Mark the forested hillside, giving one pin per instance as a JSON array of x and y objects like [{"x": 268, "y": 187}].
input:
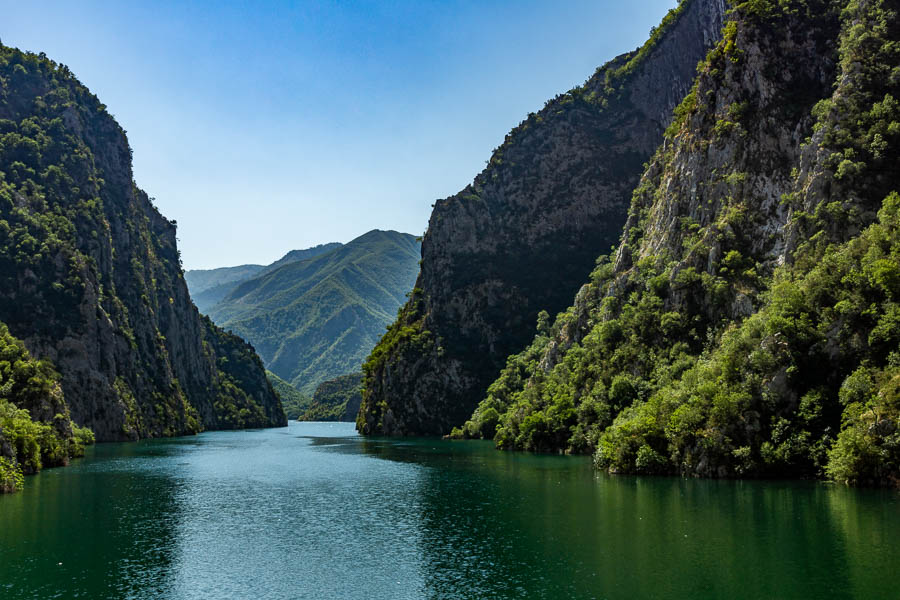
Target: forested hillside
[
  {"x": 335, "y": 400},
  {"x": 524, "y": 235},
  {"x": 315, "y": 319},
  {"x": 747, "y": 324},
  {"x": 91, "y": 283},
  {"x": 208, "y": 287}
]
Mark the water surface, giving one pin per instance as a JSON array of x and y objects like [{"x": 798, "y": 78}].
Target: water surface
[{"x": 314, "y": 511}]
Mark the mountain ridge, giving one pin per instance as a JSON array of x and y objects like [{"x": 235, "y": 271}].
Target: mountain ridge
[
  {"x": 208, "y": 287},
  {"x": 316, "y": 319}
]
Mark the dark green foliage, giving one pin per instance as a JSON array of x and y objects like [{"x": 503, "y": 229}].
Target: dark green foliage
[
  {"x": 406, "y": 339},
  {"x": 656, "y": 34},
  {"x": 240, "y": 378},
  {"x": 90, "y": 273},
  {"x": 772, "y": 395},
  {"x": 314, "y": 319},
  {"x": 336, "y": 400},
  {"x": 697, "y": 353},
  {"x": 36, "y": 431},
  {"x": 524, "y": 236},
  {"x": 293, "y": 400}
]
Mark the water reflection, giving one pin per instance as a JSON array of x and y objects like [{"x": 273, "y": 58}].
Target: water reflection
[
  {"x": 90, "y": 521},
  {"x": 316, "y": 512},
  {"x": 513, "y": 525}
]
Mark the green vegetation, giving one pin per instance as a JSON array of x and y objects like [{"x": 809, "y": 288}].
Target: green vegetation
[
  {"x": 91, "y": 275},
  {"x": 807, "y": 385},
  {"x": 35, "y": 429},
  {"x": 209, "y": 287},
  {"x": 293, "y": 400},
  {"x": 524, "y": 235},
  {"x": 336, "y": 400},
  {"x": 314, "y": 319},
  {"x": 708, "y": 350},
  {"x": 656, "y": 34}
]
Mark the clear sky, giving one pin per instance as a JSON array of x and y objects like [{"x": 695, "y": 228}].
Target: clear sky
[{"x": 267, "y": 126}]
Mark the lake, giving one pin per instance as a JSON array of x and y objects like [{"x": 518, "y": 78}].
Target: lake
[{"x": 315, "y": 511}]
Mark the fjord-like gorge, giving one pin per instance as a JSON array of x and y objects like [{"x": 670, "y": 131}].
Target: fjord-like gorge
[{"x": 651, "y": 351}]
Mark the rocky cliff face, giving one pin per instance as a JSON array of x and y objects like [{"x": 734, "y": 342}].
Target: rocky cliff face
[
  {"x": 525, "y": 234},
  {"x": 743, "y": 326},
  {"x": 91, "y": 276}
]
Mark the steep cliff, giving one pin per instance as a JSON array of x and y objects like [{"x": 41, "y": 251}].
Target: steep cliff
[
  {"x": 524, "y": 235},
  {"x": 747, "y": 323},
  {"x": 90, "y": 276}
]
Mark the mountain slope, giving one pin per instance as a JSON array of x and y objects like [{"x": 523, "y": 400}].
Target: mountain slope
[
  {"x": 747, "y": 325},
  {"x": 211, "y": 286},
  {"x": 36, "y": 429},
  {"x": 90, "y": 276},
  {"x": 298, "y": 255},
  {"x": 335, "y": 400},
  {"x": 315, "y": 319},
  {"x": 293, "y": 401},
  {"x": 207, "y": 287},
  {"x": 200, "y": 280},
  {"x": 524, "y": 235}
]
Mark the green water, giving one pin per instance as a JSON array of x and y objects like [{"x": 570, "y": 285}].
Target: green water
[{"x": 313, "y": 511}]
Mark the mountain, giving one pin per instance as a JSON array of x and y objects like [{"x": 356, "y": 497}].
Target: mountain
[
  {"x": 335, "y": 400},
  {"x": 298, "y": 255},
  {"x": 315, "y": 319},
  {"x": 211, "y": 286},
  {"x": 524, "y": 235},
  {"x": 207, "y": 287},
  {"x": 201, "y": 280},
  {"x": 91, "y": 281},
  {"x": 748, "y": 323}
]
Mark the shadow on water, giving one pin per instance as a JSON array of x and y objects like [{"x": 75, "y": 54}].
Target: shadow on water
[
  {"x": 91, "y": 517},
  {"x": 504, "y": 525}
]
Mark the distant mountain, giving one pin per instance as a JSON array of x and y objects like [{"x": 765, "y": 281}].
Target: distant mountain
[
  {"x": 315, "y": 319},
  {"x": 200, "y": 280},
  {"x": 298, "y": 255},
  {"x": 208, "y": 287}
]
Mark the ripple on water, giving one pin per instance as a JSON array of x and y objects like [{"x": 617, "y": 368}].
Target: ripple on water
[{"x": 314, "y": 511}]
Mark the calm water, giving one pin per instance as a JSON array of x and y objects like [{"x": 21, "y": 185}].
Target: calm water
[{"x": 313, "y": 511}]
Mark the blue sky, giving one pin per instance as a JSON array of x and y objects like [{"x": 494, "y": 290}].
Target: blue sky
[{"x": 267, "y": 126}]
